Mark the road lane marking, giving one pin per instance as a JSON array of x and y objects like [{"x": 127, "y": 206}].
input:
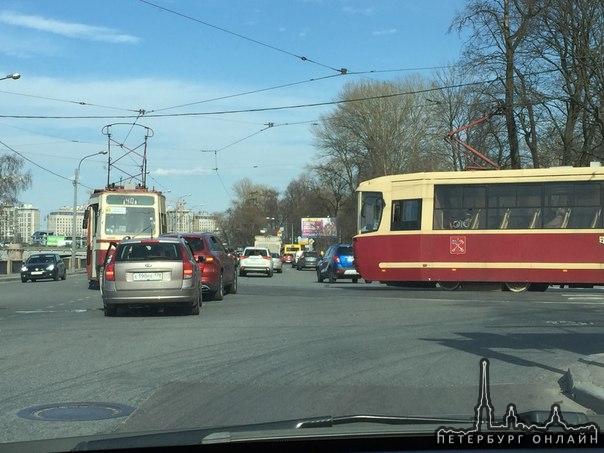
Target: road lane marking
[{"x": 30, "y": 312}]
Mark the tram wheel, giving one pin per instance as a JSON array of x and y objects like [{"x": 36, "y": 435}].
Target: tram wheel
[
  {"x": 516, "y": 287},
  {"x": 449, "y": 286}
]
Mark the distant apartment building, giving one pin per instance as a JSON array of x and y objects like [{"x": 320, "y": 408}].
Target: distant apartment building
[
  {"x": 180, "y": 219},
  {"x": 183, "y": 220},
  {"x": 61, "y": 221},
  {"x": 204, "y": 222},
  {"x": 18, "y": 223}
]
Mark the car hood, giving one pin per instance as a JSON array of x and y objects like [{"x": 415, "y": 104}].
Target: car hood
[{"x": 308, "y": 433}]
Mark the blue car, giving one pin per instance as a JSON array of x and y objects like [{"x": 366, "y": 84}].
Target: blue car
[{"x": 337, "y": 263}]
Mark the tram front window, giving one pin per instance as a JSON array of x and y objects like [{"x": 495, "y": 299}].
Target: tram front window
[
  {"x": 370, "y": 213},
  {"x": 133, "y": 221}
]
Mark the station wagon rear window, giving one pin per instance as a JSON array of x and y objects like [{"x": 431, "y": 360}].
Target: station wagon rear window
[{"x": 152, "y": 251}]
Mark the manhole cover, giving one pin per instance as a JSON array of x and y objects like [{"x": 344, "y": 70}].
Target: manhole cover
[{"x": 79, "y": 411}]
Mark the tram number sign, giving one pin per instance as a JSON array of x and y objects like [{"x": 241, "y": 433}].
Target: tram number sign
[{"x": 457, "y": 245}]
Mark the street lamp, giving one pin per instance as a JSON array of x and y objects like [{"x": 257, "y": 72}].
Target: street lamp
[
  {"x": 75, "y": 206},
  {"x": 13, "y": 76}
]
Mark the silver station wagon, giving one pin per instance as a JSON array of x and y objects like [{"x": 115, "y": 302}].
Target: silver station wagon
[{"x": 159, "y": 272}]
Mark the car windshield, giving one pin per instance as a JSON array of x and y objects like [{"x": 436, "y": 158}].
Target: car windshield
[
  {"x": 327, "y": 213},
  {"x": 41, "y": 259}
]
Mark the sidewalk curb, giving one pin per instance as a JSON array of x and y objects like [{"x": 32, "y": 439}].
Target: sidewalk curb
[{"x": 584, "y": 382}]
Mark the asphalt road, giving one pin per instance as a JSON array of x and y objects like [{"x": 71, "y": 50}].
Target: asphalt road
[{"x": 282, "y": 348}]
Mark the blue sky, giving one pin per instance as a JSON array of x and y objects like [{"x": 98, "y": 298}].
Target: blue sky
[{"x": 88, "y": 64}]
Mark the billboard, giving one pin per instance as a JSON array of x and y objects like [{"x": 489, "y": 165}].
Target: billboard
[{"x": 313, "y": 227}]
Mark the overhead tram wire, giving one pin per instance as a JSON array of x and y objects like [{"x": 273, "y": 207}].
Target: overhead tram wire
[
  {"x": 245, "y": 93},
  {"x": 239, "y": 35},
  {"x": 40, "y": 166},
  {"x": 67, "y": 101},
  {"x": 253, "y": 110},
  {"x": 149, "y": 112},
  {"x": 287, "y": 85},
  {"x": 215, "y": 151}
]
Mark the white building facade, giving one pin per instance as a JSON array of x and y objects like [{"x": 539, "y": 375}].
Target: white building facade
[
  {"x": 18, "y": 223},
  {"x": 61, "y": 221}
]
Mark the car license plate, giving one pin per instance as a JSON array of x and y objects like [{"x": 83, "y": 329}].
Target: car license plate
[
  {"x": 37, "y": 272},
  {"x": 350, "y": 272},
  {"x": 147, "y": 276}
]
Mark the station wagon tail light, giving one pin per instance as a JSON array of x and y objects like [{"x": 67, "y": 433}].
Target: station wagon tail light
[
  {"x": 110, "y": 271},
  {"x": 267, "y": 258},
  {"x": 336, "y": 259},
  {"x": 187, "y": 267}
]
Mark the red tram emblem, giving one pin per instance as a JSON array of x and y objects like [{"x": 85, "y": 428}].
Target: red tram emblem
[{"x": 457, "y": 245}]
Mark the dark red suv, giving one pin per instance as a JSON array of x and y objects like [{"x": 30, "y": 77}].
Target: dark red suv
[{"x": 218, "y": 267}]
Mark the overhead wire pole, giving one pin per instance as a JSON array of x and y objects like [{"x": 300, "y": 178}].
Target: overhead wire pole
[
  {"x": 75, "y": 206},
  {"x": 13, "y": 76}
]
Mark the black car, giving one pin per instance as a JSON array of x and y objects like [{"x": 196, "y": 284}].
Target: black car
[
  {"x": 337, "y": 263},
  {"x": 43, "y": 266}
]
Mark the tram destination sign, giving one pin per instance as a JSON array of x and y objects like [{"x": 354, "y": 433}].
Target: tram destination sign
[{"x": 131, "y": 200}]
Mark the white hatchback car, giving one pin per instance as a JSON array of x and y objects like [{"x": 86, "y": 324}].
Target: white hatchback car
[{"x": 256, "y": 259}]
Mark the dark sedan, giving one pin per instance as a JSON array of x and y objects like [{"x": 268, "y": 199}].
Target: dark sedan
[
  {"x": 308, "y": 260},
  {"x": 43, "y": 266}
]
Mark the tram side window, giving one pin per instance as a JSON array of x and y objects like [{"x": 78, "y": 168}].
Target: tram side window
[
  {"x": 406, "y": 215},
  {"x": 459, "y": 207},
  {"x": 571, "y": 205},
  {"x": 514, "y": 206}
]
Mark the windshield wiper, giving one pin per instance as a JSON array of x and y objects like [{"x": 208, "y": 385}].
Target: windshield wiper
[
  {"x": 328, "y": 421},
  {"x": 534, "y": 416}
]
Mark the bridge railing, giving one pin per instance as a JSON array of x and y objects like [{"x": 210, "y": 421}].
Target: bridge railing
[{"x": 12, "y": 258}]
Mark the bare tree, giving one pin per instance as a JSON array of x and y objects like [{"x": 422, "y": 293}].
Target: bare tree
[
  {"x": 498, "y": 30},
  {"x": 381, "y": 128},
  {"x": 252, "y": 205},
  {"x": 570, "y": 45},
  {"x": 12, "y": 179}
]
